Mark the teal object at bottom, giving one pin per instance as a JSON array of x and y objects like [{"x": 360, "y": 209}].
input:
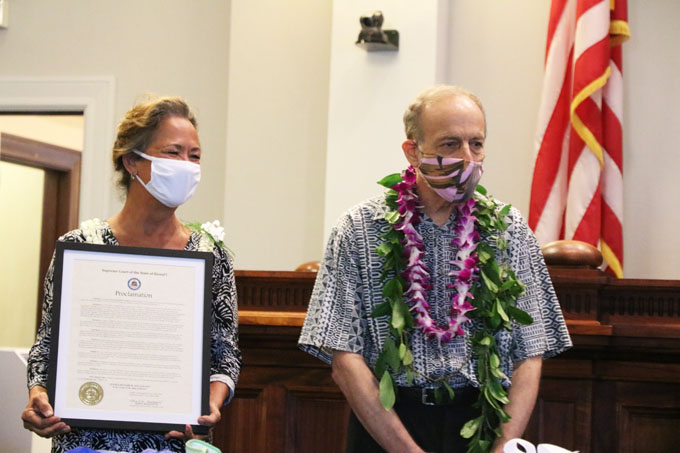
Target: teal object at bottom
[{"x": 198, "y": 446}]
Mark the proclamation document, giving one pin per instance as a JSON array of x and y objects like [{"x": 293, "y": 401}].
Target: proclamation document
[{"x": 130, "y": 346}]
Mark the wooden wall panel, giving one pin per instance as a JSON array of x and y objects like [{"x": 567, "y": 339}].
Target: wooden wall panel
[
  {"x": 647, "y": 417},
  {"x": 239, "y": 431},
  {"x": 616, "y": 390},
  {"x": 563, "y": 414},
  {"x": 649, "y": 430},
  {"x": 316, "y": 421}
]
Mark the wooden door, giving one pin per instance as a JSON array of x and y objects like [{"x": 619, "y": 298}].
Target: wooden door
[{"x": 61, "y": 192}]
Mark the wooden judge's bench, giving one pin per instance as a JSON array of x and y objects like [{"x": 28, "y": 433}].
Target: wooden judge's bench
[{"x": 616, "y": 390}]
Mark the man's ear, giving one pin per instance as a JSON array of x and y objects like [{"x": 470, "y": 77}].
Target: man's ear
[{"x": 410, "y": 151}]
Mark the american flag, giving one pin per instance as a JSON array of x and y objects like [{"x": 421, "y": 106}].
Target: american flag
[{"x": 577, "y": 187}]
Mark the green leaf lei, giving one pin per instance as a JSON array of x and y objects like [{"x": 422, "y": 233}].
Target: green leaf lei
[{"x": 495, "y": 295}]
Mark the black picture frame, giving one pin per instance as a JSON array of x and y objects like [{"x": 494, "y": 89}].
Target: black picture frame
[{"x": 207, "y": 258}]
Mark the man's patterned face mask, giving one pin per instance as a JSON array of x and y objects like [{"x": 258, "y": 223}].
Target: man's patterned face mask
[{"x": 451, "y": 178}]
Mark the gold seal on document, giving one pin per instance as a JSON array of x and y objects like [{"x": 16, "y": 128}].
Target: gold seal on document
[{"x": 91, "y": 393}]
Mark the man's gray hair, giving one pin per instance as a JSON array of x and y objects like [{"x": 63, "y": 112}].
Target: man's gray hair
[{"x": 428, "y": 96}]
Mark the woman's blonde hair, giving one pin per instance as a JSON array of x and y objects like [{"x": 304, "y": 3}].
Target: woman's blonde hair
[{"x": 139, "y": 125}]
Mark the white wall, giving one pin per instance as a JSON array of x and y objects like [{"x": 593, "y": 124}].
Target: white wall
[
  {"x": 276, "y": 134},
  {"x": 651, "y": 137},
  {"x": 369, "y": 92},
  {"x": 160, "y": 46},
  {"x": 496, "y": 49},
  {"x": 499, "y": 56},
  {"x": 491, "y": 48}
]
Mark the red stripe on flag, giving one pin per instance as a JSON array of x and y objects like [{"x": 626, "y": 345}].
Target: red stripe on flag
[
  {"x": 612, "y": 132},
  {"x": 556, "y": 12},
  {"x": 585, "y": 5},
  {"x": 576, "y": 147},
  {"x": 548, "y": 157},
  {"x": 588, "y": 229},
  {"x": 617, "y": 57},
  {"x": 591, "y": 115},
  {"x": 620, "y": 11},
  {"x": 591, "y": 65},
  {"x": 612, "y": 232}
]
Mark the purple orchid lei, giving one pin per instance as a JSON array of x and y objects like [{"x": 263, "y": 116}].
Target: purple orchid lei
[
  {"x": 480, "y": 273},
  {"x": 416, "y": 273}
]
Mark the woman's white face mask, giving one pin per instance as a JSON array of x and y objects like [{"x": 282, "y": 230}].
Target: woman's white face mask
[{"x": 172, "y": 181}]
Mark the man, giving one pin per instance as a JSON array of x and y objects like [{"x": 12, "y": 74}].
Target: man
[{"x": 445, "y": 128}]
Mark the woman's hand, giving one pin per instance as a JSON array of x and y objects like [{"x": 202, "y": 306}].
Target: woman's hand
[
  {"x": 186, "y": 435},
  {"x": 39, "y": 417},
  {"x": 218, "y": 393}
]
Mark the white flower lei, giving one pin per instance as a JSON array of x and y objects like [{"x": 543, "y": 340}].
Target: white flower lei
[
  {"x": 92, "y": 230},
  {"x": 215, "y": 235},
  {"x": 211, "y": 234}
]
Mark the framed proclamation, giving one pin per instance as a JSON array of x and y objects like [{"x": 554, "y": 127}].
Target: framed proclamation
[{"x": 130, "y": 345}]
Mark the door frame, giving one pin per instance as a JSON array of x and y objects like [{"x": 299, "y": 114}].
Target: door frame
[
  {"x": 61, "y": 191},
  {"x": 94, "y": 97}
]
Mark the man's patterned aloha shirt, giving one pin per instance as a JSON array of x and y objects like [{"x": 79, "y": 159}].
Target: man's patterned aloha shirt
[{"x": 348, "y": 287}]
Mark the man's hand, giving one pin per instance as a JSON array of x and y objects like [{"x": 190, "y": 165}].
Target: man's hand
[
  {"x": 360, "y": 387},
  {"x": 523, "y": 392},
  {"x": 39, "y": 417}
]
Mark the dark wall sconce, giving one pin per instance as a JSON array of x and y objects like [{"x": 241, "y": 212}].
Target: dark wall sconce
[{"x": 372, "y": 37}]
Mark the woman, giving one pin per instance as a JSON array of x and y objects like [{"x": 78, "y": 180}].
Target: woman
[{"x": 157, "y": 155}]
